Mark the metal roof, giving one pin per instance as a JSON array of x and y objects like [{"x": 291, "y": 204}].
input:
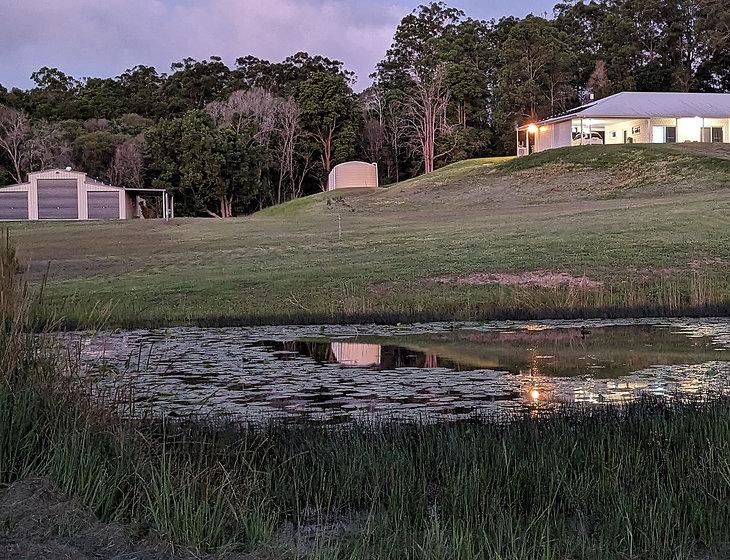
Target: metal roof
[{"x": 633, "y": 104}]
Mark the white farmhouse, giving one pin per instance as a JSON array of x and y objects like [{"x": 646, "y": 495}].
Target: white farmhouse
[{"x": 632, "y": 117}]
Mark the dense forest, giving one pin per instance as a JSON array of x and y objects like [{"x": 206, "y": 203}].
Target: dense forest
[{"x": 229, "y": 140}]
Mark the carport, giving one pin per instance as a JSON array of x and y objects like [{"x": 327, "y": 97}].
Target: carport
[{"x": 166, "y": 201}]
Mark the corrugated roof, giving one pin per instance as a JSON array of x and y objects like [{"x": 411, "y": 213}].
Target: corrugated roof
[{"x": 653, "y": 104}]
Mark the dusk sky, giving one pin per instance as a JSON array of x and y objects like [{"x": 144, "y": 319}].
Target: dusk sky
[{"x": 105, "y": 37}]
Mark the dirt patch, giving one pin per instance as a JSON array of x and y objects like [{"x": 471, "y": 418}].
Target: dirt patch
[
  {"x": 38, "y": 521},
  {"x": 710, "y": 262},
  {"x": 536, "y": 279}
]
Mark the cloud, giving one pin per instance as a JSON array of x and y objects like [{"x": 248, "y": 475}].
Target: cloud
[{"x": 92, "y": 38}]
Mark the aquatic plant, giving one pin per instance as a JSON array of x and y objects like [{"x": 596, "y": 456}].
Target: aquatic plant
[{"x": 645, "y": 480}]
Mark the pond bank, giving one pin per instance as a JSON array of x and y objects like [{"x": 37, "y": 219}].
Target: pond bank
[
  {"x": 527, "y": 305},
  {"x": 645, "y": 479}
]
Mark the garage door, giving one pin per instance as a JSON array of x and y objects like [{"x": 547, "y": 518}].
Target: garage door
[
  {"x": 57, "y": 199},
  {"x": 103, "y": 205},
  {"x": 13, "y": 205}
]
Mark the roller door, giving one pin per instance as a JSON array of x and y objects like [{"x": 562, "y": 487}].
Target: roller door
[
  {"x": 58, "y": 199},
  {"x": 14, "y": 205},
  {"x": 103, "y": 205}
]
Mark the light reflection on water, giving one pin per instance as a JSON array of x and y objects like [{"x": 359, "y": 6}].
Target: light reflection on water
[{"x": 430, "y": 371}]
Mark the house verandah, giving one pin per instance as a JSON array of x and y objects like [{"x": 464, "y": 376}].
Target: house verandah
[{"x": 629, "y": 118}]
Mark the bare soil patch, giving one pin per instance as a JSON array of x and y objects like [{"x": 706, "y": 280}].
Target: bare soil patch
[
  {"x": 536, "y": 278},
  {"x": 38, "y": 521}
]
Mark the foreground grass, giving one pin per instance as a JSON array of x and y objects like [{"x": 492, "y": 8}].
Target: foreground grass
[
  {"x": 648, "y": 223},
  {"x": 646, "y": 480}
]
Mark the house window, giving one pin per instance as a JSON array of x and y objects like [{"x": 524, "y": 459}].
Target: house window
[
  {"x": 663, "y": 134},
  {"x": 712, "y": 134}
]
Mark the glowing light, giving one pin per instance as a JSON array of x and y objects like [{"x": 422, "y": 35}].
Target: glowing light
[
  {"x": 532, "y": 128},
  {"x": 535, "y": 394}
]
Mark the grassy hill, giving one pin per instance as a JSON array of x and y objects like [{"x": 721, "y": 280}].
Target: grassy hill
[{"x": 604, "y": 230}]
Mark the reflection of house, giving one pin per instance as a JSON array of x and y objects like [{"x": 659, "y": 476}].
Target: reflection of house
[
  {"x": 62, "y": 194},
  {"x": 632, "y": 117},
  {"x": 355, "y": 354}
]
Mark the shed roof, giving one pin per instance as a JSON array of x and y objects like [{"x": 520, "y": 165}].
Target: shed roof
[{"x": 632, "y": 104}]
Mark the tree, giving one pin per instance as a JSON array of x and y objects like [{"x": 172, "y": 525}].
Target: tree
[
  {"x": 127, "y": 165},
  {"x": 194, "y": 83},
  {"x": 535, "y": 80},
  {"x": 291, "y": 152},
  {"x": 598, "y": 84},
  {"x": 240, "y": 170},
  {"x": 181, "y": 156},
  {"x": 46, "y": 148},
  {"x": 418, "y": 45},
  {"x": 93, "y": 152},
  {"x": 212, "y": 171},
  {"x": 131, "y": 124},
  {"x": 426, "y": 116},
  {"x": 53, "y": 96},
  {"x": 413, "y": 74},
  {"x": 15, "y": 133},
  {"x": 141, "y": 92},
  {"x": 327, "y": 105},
  {"x": 256, "y": 107}
]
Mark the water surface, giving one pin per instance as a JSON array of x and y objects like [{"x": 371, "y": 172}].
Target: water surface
[{"x": 429, "y": 371}]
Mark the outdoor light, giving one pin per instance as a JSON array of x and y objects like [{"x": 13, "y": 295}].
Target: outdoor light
[
  {"x": 535, "y": 394},
  {"x": 532, "y": 129}
]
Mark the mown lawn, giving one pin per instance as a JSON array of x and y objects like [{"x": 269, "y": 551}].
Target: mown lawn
[{"x": 375, "y": 255}]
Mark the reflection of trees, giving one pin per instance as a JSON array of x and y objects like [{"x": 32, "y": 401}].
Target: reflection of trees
[{"x": 606, "y": 352}]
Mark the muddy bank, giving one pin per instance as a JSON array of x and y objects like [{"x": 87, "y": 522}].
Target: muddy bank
[{"x": 38, "y": 522}]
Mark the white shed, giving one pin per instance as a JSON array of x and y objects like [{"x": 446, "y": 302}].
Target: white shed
[{"x": 62, "y": 194}]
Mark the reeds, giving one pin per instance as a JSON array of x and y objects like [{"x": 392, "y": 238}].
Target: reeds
[{"x": 646, "y": 480}]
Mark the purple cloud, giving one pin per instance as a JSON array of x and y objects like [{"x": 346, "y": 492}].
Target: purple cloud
[{"x": 93, "y": 38}]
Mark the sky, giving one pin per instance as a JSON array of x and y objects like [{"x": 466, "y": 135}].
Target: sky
[{"x": 104, "y": 37}]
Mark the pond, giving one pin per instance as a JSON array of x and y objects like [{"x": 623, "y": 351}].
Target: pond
[{"x": 430, "y": 372}]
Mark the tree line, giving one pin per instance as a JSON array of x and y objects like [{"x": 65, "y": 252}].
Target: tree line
[{"x": 230, "y": 140}]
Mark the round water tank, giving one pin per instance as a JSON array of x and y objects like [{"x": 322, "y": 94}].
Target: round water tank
[{"x": 353, "y": 174}]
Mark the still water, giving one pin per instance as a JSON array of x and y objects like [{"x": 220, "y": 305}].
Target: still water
[{"x": 431, "y": 371}]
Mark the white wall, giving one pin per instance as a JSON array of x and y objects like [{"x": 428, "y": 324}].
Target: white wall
[
  {"x": 689, "y": 129},
  {"x": 563, "y": 134},
  {"x": 642, "y": 137},
  {"x": 556, "y": 135}
]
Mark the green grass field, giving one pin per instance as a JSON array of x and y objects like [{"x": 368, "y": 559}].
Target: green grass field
[{"x": 647, "y": 226}]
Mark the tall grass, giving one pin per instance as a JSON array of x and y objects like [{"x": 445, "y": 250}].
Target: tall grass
[{"x": 646, "y": 480}]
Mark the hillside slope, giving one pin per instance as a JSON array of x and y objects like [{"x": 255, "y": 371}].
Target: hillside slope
[
  {"x": 602, "y": 230},
  {"x": 567, "y": 174}
]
